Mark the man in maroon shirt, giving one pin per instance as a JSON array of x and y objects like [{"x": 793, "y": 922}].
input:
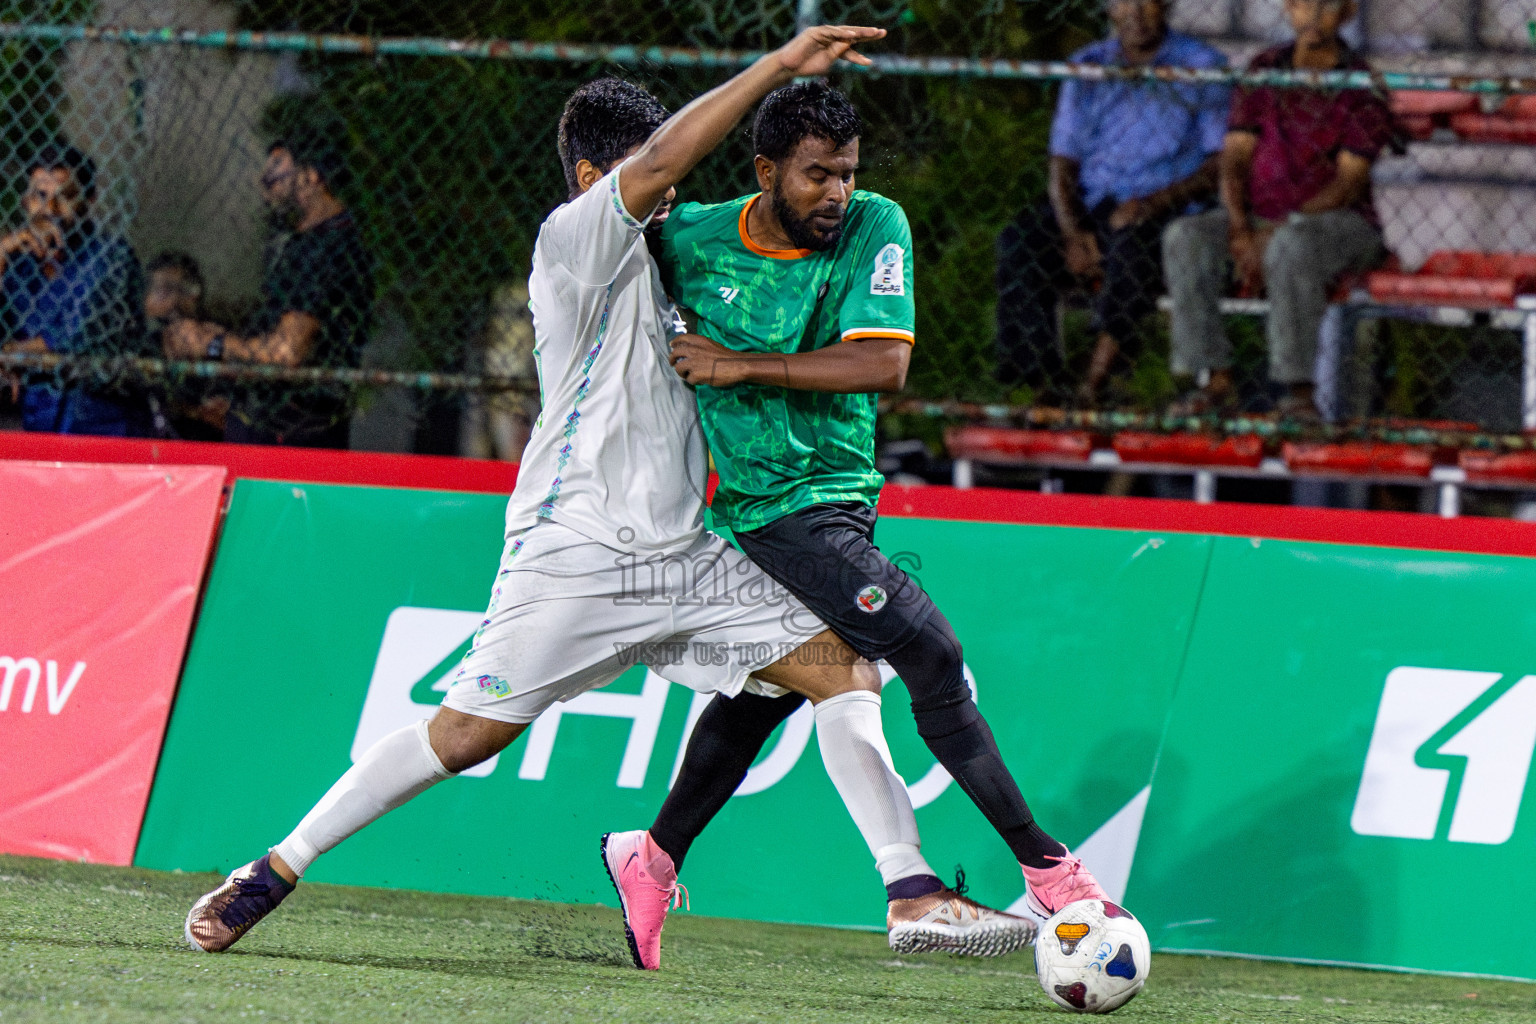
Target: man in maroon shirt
[{"x": 1295, "y": 213}]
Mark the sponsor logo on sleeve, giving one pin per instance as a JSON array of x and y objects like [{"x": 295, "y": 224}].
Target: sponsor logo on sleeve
[{"x": 888, "y": 277}]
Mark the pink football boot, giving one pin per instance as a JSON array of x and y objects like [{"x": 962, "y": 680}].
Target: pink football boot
[
  {"x": 1066, "y": 881},
  {"x": 642, "y": 873}
]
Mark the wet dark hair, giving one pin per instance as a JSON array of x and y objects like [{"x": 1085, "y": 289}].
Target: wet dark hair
[
  {"x": 182, "y": 263},
  {"x": 800, "y": 111},
  {"x": 56, "y": 156},
  {"x": 602, "y": 121},
  {"x": 321, "y": 148}
]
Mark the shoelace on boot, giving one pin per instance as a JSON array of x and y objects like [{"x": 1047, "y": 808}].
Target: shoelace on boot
[
  {"x": 252, "y": 902},
  {"x": 1071, "y": 884}
]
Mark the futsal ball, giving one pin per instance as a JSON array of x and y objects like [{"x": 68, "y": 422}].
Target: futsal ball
[{"x": 1092, "y": 957}]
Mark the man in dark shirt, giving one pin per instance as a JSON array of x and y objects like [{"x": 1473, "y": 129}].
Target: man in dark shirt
[
  {"x": 70, "y": 289},
  {"x": 316, "y": 300},
  {"x": 1296, "y": 212}
]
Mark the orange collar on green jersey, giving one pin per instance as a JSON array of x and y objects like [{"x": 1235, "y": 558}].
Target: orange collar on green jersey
[{"x": 746, "y": 240}]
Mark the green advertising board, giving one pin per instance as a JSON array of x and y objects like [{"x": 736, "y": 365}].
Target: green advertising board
[
  {"x": 334, "y": 615},
  {"x": 1346, "y": 761}
]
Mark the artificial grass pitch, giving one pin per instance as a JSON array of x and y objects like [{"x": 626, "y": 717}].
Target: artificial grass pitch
[{"x": 85, "y": 943}]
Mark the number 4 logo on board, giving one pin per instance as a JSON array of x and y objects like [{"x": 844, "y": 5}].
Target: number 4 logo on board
[{"x": 1434, "y": 724}]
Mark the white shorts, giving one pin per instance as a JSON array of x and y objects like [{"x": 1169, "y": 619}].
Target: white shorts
[{"x": 568, "y": 615}]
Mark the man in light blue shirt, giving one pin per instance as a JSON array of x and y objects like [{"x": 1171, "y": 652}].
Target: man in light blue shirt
[{"x": 1126, "y": 158}]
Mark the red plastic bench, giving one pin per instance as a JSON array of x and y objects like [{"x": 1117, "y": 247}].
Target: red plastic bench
[
  {"x": 1523, "y": 105},
  {"x": 1496, "y": 466},
  {"x": 1009, "y": 444},
  {"x": 1458, "y": 278},
  {"x": 1357, "y": 458},
  {"x": 1190, "y": 449},
  {"x": 1420, "y": 112},
  {"x": 1500, "y": 127}
]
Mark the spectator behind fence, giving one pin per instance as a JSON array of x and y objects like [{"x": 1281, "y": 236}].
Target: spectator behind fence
[
  {"x": 70, "y": 289},
  {"x": 192, "y": 410},
  {"x": 174, "y": 292},
  {"x": 316, "y": 303},
  {"x": 1126, "y": 157},
  {"x": 1296, "y": 212}
]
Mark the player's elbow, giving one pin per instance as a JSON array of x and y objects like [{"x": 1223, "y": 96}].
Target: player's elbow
[
  {"x": 658, "y": 163},
  {"x": 894, "y": 368}
]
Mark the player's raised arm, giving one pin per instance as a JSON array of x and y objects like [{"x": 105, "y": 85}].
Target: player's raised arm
[{"x": 689, "y": 135}]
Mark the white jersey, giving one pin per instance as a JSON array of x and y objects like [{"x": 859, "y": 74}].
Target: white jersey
[{"x": 617, "y": 454}]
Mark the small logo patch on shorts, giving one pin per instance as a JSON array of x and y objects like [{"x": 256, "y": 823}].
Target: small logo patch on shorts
[
  {"x": 871, "y": 599},
  {"x": 493, "y": 686}
]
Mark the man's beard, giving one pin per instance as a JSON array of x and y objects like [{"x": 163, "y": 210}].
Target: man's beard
[
  {"x": 799, "y": 229},
  {"x": 284, "y": 216}
]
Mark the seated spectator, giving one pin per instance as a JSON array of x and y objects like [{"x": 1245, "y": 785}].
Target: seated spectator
[
  {"x": 1296, "y": 212},
  {"x": 1126, "y": 158},
  {"x": 67, "y": 288},
  {"x": 316, "y": 302}
]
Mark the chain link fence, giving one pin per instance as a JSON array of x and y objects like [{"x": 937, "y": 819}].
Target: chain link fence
[{"x": 440, "y": 122}]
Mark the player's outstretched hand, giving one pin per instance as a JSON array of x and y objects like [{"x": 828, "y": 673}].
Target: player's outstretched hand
[{"x": 814, "y": 51}]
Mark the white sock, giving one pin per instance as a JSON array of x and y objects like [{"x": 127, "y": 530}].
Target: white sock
[
  {"x": 859, "y": 763},
  {"x": 392, "y": 771}
]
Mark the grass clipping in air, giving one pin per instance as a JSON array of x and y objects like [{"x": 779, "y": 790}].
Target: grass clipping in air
[{"x": 85, "y": 943}]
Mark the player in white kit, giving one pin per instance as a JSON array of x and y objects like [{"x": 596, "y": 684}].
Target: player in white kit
[{"x": 607, "y": 563}]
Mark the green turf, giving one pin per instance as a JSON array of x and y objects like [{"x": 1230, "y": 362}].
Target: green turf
[{"x": 86, "y": 943}]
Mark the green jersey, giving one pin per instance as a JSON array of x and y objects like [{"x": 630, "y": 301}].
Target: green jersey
[{"x": 778, "y": 450}]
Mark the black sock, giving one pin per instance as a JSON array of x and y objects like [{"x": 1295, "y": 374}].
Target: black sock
[
  {"x": 970, "y": 754},
  {"x": 913, "y": 886},
  {"x": 725, "y": 742},
  {"x": 957, "y": 734}
]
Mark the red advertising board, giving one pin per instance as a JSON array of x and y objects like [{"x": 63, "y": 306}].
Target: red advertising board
[{"x": 99, "y": 574}]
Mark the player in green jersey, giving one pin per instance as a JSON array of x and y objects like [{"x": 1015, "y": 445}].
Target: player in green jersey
[
  {"x": 802, "y": 299},
  {"x": 782, "y": 445}
]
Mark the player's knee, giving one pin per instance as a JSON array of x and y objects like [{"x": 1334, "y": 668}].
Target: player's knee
[
  {"x": 462, "y": 741},
  {"x": 864, "y": 676},
  {"x": 932, "y": 664}
]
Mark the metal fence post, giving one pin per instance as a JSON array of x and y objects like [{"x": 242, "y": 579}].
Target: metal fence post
[{"x": 1528, "y": 373}]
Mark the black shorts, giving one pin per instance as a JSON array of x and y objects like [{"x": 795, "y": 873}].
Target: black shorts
[{"x": 826, "y": 556}]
